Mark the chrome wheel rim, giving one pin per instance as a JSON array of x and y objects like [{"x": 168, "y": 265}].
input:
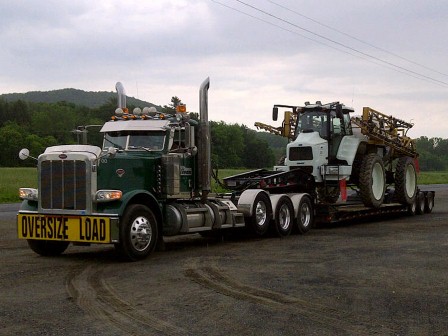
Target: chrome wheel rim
[
  {"x": 284, "y": 217},
  {"x": 305, "y": 214},
  {"x": 140, "y": 233},
  {"x": 260, "y": 213}
]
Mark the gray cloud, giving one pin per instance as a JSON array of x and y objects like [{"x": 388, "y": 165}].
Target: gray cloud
[{"x": 167, "y": 47}]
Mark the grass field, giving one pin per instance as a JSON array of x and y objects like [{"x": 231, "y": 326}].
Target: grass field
[
  {"x": 433, "y": 178},
  {"x": 11, "y": 179}
]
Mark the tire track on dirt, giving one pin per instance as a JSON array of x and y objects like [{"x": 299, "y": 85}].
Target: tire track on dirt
[
  {"x": 98, "y": 299},
  {"x": 209, "y": 275}
]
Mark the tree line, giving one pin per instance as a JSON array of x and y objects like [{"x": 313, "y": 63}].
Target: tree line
[
  {"x": 39, "y": 125},
  {"x": 433, "y": 153}
]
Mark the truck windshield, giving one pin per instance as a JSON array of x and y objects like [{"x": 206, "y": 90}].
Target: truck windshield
[{"x": 136, "y": 140}]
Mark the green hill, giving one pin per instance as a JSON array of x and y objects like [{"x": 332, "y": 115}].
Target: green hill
[{"x": 79, "y": 97}]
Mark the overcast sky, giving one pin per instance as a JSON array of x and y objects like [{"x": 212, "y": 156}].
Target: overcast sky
[{"x": 279, "y": 52}]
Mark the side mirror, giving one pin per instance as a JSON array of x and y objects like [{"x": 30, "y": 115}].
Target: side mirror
[
  {"x": 275, "y": 113},
  {"x": 111, "y": 151},
  {"x": 192, "y": 151},
  {"x": 339, "y": 113},
  {"x": 24, "y": 154}
]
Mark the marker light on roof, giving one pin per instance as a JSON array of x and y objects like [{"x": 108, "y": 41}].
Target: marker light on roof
[
  {"x": 119, "y": 112},
  {"x": 137, "y": 111},
  {"x": 181, "y": 108}
]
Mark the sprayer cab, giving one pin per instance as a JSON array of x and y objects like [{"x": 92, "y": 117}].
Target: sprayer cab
[
  {"x": 327, "y": 120},
  {"x": 320, "y": 125}
]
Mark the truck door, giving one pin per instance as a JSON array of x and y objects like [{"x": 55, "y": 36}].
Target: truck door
[
  {"x": 180, "y": 148},
  {"x": 336, "y": 137}
]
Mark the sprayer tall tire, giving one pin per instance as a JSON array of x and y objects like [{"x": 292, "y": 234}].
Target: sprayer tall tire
[
  {"x": 372, "y": 181},
  {"x": 405, "y": 180}
]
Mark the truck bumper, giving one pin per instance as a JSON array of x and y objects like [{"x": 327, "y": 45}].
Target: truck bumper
[{"x": 71, "y": 228}]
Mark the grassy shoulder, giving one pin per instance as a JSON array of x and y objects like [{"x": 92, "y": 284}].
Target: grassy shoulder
[
  {"x": 433, "y": 178},
  {"x": 11, "y": 179}
]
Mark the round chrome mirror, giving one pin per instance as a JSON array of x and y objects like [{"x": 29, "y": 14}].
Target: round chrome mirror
[{"x": 24, "y": 154}]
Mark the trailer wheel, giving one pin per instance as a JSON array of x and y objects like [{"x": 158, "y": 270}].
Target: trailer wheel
[
  {"x": 405, "y": 180},
  {"x": 420, "y": 203},
  {"x": 48, "y": 248},
  {"x": 258, "y": 223},
  {"x": 412, "y": 208},
  {"x": 429, "y": 202},
  {"x": 372, "y": 181},
  {"x": 138, "y": 233},
  {"x": 284, "y": 216},
  {"x": 305, "y": 216}
]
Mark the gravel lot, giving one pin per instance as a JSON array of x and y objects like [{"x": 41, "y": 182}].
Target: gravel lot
[{"x": 386, "y": 277}]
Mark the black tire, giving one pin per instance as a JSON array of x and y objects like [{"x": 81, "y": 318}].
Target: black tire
[
  {"x": 420, "y": 203},
  {"x": 259, "y": 222},
  {"x": 305, "y": 216},
  {"x": 412, "y": 208},
  {"x": 372, "y": 181},
  {"x": 48, "y": 248},
  {"x": 405, "y": 180},
  {"x": 356, "y": 169},
  {"x": 284, "y": 216},
  {"x": 138, "y": 233},
  {"x": 429, "y": 202}
]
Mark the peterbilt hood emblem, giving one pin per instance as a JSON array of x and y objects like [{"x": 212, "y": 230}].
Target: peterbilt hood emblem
[
  {"x": 62, "y": 156},
  {"x": 120, "y": 172}
]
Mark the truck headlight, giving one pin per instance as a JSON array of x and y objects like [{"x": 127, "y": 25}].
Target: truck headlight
[
  {"x": 108, "y": 195},
  {"x": 29, "y": 194}
]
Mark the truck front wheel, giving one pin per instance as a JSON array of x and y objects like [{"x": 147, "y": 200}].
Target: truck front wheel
[
  {"x": 138, "y": 233},
  {"x": 48, "y": 248},
  {"x": 372, "y": 181}
]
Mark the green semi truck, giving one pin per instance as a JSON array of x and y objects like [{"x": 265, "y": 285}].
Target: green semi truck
[{"x": 151, "y": 179}]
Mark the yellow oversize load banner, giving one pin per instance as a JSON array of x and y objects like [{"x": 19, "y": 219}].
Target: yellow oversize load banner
[{"x": 86, "y": 229}]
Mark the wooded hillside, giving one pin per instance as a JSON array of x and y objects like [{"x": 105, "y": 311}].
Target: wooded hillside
[{"x": 74, "y": 96}]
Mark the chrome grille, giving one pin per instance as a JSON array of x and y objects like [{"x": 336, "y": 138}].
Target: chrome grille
[{"x": 63, "y": 184}]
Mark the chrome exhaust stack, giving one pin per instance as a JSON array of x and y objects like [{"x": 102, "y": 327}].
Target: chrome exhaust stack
[
  {"x": 204, "y": 154},
  {"x": 121, "y": 95}
]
